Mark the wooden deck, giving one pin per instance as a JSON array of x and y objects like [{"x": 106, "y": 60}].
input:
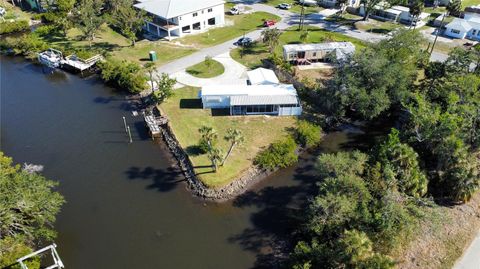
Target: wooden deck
[{"x": 154, "y": 124}]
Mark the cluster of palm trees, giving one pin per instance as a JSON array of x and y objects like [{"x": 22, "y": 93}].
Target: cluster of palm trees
[{"x": 214, "y": 154}]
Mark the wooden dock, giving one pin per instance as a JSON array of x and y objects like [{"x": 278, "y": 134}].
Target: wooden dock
[
  {"x": 154, "y": 124},
  {"x": 74, "y": 62}
]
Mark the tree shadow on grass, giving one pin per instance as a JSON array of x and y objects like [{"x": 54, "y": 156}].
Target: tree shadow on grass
[{"x": 162, "y": 180}]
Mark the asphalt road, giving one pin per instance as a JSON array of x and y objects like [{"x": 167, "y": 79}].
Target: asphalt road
[{"x": 288, "y": 19}]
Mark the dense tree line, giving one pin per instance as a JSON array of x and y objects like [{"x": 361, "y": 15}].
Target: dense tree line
[
  {"x": 28, "y": 207},
  {"x": 368, "y": 203}
]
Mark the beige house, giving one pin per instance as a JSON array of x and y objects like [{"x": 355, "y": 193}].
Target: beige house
[{"x": 320, "y": 52}]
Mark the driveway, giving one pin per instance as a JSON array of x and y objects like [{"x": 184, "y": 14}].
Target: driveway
[
  {"x": 471, "y": 257},
  {"x": 235, "y": 73}
]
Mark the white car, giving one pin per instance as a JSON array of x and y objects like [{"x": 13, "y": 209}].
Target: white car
[
  {"x": 284, "y": 6},
  {"x": 234, "y": 11}
]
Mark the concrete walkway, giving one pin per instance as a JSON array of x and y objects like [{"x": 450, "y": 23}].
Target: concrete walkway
[
  {"x": 471, "y": 257},
  {"x": 235, "y": 73}
]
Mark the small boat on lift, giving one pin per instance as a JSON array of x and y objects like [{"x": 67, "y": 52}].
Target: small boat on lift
[{"x": 51, "y": 58}]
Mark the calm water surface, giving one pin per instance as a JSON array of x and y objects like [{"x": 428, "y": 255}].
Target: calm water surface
[{"x": 127, "y": 206}]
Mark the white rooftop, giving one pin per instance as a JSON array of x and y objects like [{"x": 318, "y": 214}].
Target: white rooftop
[
  {"x": 248, "y": 90},
  {"x": 327, "y": 46},
  {"x": 402, "y": 8},
  {"x": 262, "y": 76},
  {"x": 174, "y": 8},
  {"x": 459, "y": 24}
]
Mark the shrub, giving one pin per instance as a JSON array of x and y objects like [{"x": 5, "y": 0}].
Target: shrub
[
  {"x": 125, "y": 75},
  {"x": 12, "y": 27},
  {"x": 27, "y": 45},
  {"x": 308, "y": 134},
  {"x": 278, "y": 154}
]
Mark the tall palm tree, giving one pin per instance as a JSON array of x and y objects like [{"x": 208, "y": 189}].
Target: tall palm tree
[
  {"x": 304, "y": 36},
  {"x": 235, "y": 137},
  {"x": 215, "y": 156},
  {"x": 416, "y": 8},
  {"x": 208, "y": 134}
]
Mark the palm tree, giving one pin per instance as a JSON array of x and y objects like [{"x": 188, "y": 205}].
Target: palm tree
[
  {"x": 270, "y": 37},
  {"x": 304, "y": 36},
  {"x": 215, "y": 156},
  {"x": 416, "y": 8},
  {"x": 235, "y": 137},
  {"x": 208, "y": 134}
]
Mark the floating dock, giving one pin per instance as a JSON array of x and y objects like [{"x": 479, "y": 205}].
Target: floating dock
[{"x": 154, "y": 124}]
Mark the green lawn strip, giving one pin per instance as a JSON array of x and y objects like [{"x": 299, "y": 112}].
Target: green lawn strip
[
  {"x": 204, "y": 70},
  {"x": 242, "y": 24},
  {"x": 252, "y": 57},
  {"x": 15, "y": 13},
  {"x": 376, "y": 26},
  {"x": 295, "y": 7},
  {"x": 186, "y": 117},
  {"x": 109, "y": 41}
]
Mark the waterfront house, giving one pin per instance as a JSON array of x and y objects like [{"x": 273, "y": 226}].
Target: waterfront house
[
  {"x": 262, "y": 76},
  {"x": 175, "y": 18},
  {"x": 270, "y": 99},
  {"x": 318, "y": 52}
]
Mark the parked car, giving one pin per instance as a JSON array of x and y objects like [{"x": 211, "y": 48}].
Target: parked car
[
  {"x": 269, "y": 23},
  {"x": 244, "y": 42},
  {"x": 284, "y": 6},
  {"x": 234, "y": 11}
]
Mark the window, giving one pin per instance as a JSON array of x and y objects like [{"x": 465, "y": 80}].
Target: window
[
  {"x": 314, "y": 54},
  {"x": 210, "y": 10},
  {"x": 195, "y": 14},
  {"x": 179, "y": 18},
  {"x": 455, "y": 31}
]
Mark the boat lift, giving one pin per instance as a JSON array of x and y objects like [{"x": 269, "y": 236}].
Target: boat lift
[{"x": 56, "y": 258}]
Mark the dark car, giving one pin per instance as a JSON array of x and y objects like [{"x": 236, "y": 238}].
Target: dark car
[{"x": 244, "y": 41}]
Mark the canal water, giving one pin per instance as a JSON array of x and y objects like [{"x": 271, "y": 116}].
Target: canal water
[{"x": 127, "y": 206}]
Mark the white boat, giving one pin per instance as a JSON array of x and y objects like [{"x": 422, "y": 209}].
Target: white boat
[{"x": 51, "y": 58}]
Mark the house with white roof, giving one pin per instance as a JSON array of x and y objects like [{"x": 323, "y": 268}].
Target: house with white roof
[
  {"x": 468, "y": 27},
  {"x": 397, "y": 14},
  {"x": 336, "y": 4},
  {"x": 317, "y": 52},
  {"x": 176, "y": 18},
  {"x": 262, "y": 99},
  {"x": 262, "y": 76}
]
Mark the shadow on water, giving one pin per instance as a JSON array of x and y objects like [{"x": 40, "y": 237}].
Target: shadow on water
[
  {"x": 278, "y": 213},
  {"x": 163, "y": 180}
]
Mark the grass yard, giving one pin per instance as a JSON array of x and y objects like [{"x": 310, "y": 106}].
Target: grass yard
[
  {"x": 296, "y": 8},
  {"x": 372, "y": 25},
  {"x": 238, "y": 25},
  {"x": 186, "y": 117},
  {"x": 252, "y": 57},
  {"x": 206, "y": 69},
  {"x": 15, "y": 13},
  {"x": 110, "y": 42}
]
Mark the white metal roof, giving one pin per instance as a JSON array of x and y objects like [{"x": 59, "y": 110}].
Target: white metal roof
[
  {"x": 173, "y": 8},
  {"x": 248, "y": 90},
  {"x": 459, "y": 24},
  {"x": 262, "y": 76},
  {"x": 243, "y": 100},
  {"x": 348, "y": 47},
  {"x": 401, "y": 8}
]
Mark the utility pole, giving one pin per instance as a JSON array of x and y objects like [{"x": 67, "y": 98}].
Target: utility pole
[
  {"x": 302, "y": 16},
  {"x": 438, "y": 31}
]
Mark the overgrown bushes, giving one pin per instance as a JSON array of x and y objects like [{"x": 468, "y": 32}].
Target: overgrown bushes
[
  {"x": 123, "y": 74},
  {"x": 13, "y": 27},
  {"x": 28, "y": 45},
  {"x": 308, "y": 134},
  {"x": 278, "y": 154}
]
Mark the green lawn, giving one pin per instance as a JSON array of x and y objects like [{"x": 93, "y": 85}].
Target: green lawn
[
  {"x": 296, "y": 8},
  {"x": 252, "y": 57},
  {"x": 15, "y": 13},
  {"x": 240, "y": 24},
  {"x": 186, "y": 117},
  {"x": 206, "y": 69}
]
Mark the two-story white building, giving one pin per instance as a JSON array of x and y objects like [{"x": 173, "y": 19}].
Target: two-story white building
[{"x": 176, "y": 18}]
